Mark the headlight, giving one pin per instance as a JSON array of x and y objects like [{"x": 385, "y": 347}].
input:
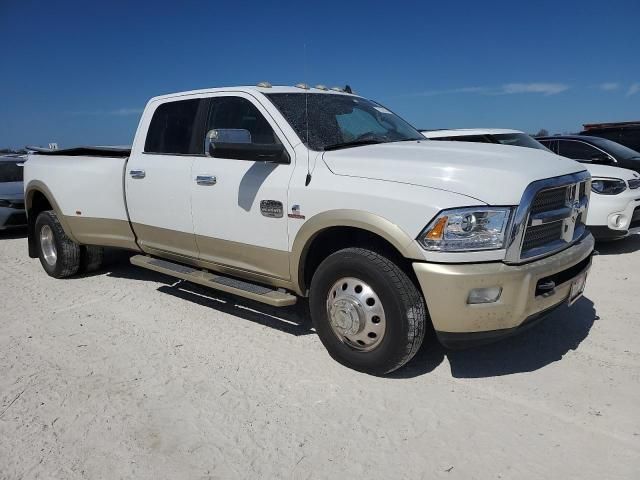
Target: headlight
[
  {"x": 608, "y": 186},
  {"x": 464, "y": 229}
]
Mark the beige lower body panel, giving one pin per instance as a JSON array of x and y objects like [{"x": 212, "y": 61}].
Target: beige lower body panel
[
  {"x": 446, "y": 289},
  {"x": 257, "y": 264},
  {"x": 101, "y": 231}
]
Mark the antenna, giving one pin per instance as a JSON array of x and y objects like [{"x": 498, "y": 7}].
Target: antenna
[{"x": 306, "y": 116}]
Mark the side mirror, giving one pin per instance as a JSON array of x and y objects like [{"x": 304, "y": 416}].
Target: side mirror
[{"x": 236, "y": 144}]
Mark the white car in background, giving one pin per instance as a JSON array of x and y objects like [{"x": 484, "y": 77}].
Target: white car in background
[{"x": 614, "y": 210}]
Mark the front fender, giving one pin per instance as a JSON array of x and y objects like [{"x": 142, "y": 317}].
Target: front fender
[{"x": 370, "y": 222}]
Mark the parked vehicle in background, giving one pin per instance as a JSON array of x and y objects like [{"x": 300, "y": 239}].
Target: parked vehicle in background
[
  {"x": 502, "y": 136},
  {"x": 614, "y": 210},
  {"x": 624, "y": 133},
  {"x": 12, "y": 213},
  {"x": 275, "y": 193},
  {"x": 588, "y": 149}
]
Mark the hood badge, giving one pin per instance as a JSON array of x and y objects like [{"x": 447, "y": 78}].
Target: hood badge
[{"x": 296, "y": 212}]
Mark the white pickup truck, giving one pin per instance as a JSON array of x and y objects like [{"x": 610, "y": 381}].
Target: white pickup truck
[{"x": 276, "y": 193}]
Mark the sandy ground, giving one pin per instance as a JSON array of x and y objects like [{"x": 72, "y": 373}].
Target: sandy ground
[{"x": 128, "y": 374}]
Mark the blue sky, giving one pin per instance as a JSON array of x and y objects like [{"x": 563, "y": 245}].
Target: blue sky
[{"x": 78, "y": 74}]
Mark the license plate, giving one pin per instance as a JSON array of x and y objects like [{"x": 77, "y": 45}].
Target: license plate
[{"x": 577, "y": 288}]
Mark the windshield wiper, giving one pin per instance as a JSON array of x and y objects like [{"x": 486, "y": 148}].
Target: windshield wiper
[{"x": 354, "y": 143}]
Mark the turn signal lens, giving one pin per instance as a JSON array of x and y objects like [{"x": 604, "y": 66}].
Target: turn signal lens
[{"x": 437, "y": 231}]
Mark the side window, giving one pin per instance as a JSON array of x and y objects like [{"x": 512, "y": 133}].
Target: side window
[
  {"x": 173, "y": 129},
  {"x": 550, "y": 144},
  {"x": 576, "y": 150},
  {"x": 237, "y": 120}
]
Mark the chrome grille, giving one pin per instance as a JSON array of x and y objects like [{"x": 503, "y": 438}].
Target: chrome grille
[
  {"x": 550, "y": 217},
  {"x": 550, "y": 200},
  {"x": 555, "y": 216},
  {"x": 540, "y": 235}
]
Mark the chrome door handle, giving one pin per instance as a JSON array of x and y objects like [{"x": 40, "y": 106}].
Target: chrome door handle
[
  {"x": 206, "y": 180},
  {"x": 137, "y": 173}
]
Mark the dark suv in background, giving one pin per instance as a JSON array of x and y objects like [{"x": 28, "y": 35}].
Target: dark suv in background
[
  {"x": 12, "y": 212},
  {"x": 593, "y": 149}
]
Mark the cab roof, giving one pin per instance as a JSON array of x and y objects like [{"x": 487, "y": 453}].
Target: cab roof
[{"x": 253, "y": 89}]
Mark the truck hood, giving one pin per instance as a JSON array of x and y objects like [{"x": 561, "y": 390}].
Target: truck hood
[{"x": 494, "y": 174}]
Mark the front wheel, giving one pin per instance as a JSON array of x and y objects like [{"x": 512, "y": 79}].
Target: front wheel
[
  {"x": 59, "y": 255},
  {"x": 367, "y": 311}
]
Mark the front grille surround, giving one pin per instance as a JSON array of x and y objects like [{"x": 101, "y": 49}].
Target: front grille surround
[{"x": 549, "y": 217}]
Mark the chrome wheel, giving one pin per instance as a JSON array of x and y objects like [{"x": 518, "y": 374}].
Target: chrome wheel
[
  {"x": 48, "y": 245},
  {"x": 356, "y": 314}
]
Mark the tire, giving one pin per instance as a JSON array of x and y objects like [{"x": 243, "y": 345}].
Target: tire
[
  {"x": 91, "y": 258},
  {"x": 65, "y": 260},
  {"x": 386, "y": 293}
]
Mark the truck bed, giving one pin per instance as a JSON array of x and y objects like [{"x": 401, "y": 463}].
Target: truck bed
[{"x": 87, "y": 187}]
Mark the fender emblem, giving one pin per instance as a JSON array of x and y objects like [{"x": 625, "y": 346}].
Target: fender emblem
[
  {"x": 271, "y": 208},
  {"x": 296, "y": 213}
]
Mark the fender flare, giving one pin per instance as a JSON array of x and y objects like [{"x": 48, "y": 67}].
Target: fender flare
[
  {"x": 370, "y": 222},
  {"x": 36, "y": 186}
]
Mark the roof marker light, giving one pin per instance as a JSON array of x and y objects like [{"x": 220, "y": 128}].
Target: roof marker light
[
  {"x": 337, "y": 89},
  {"x": 321, "y": 87},
  {"x": 304, "y": 86},
  {"x": 264, "y": 85}
]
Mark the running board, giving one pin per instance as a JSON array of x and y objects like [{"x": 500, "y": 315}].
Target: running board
[{"x": 252, "y": 291}]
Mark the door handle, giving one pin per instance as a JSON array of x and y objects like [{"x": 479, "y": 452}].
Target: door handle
[
  {"x": 206, "y": 180},
  {"x": 137, "y": 173}
]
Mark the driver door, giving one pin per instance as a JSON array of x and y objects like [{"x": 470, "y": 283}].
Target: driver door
[{"x": 240, "y": 206}]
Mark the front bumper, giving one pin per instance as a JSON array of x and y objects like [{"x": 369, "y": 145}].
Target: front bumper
[
  {"x": 12, "y": 218},
  {"x": 604, "y": 210},
  {"x": 446, "y": 289}
]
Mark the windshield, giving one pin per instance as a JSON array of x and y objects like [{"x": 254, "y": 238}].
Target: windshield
[
  {"x": 11, "y": 170},
  {"x": 341, "y": 121},
  {"x": 518, "y": 140},
  {"x": 614, "y": 148}
]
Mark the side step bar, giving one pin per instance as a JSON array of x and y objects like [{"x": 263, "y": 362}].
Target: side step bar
[{"x": 252, "y": 291}]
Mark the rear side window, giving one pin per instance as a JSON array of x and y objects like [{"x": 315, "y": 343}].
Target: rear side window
[
  {"x": 173, "y": 129},
  {"x": 550, "y": 144},
  {"x": 576, "y": 150}
]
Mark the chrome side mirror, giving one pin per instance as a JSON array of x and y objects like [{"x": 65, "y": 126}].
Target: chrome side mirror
[{"x": 225, "y": 135}]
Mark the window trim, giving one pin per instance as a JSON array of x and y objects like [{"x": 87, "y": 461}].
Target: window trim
[
  {"x": 198, "y": 125},
  {"x": 585, "y": 160}
]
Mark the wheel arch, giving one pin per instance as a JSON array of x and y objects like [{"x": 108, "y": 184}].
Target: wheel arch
[
  {"x": 329, "y": 231},
  {"x": 38, "y": 198}
]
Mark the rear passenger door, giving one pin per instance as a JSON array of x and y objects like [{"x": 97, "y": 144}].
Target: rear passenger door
[
  {"x": 240, "y": 205},
  {"x": 158, "y": 177}
]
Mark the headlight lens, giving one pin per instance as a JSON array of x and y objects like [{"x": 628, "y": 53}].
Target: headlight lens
[
  {"x": 465, "y": 229},
  {"x": 608, "y": 186}
]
